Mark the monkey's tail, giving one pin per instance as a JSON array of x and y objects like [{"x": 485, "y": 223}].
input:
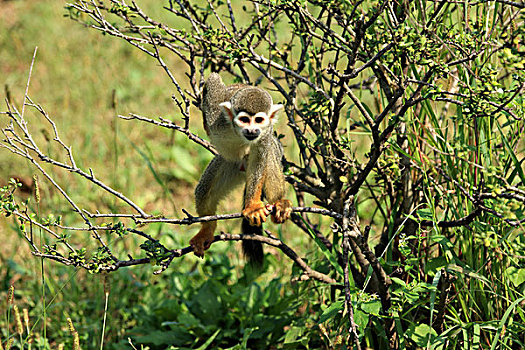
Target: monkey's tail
[{"x": 253, "y": 250}]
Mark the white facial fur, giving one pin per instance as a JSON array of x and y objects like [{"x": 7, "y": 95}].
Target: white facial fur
[{"x": 251, "y": 127}]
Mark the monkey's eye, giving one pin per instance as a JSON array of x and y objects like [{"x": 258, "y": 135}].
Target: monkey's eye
[
  {"x": 244, "y": 120},
  {"x": 259, "y": 120}
]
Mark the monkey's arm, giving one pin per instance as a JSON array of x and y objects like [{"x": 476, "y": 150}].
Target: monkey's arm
[
  {"x": 274, "y": 185},
  {"x": 219, "y": 179},
  {"x": 254, "y": 209},
  {"x": 265, "y": 175}
]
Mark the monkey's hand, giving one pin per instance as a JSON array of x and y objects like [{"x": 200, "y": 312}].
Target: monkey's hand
[
  {"x": 282, "y": 211},
  {"x": 202, "y": 240},
  {"x": 256, "y": 212}
]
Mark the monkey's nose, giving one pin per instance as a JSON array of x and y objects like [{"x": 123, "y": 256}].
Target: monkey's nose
[{"x": 251, "y": 135}]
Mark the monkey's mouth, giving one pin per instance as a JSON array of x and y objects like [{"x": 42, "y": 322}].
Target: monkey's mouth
[{"x": 251, "y": 135}]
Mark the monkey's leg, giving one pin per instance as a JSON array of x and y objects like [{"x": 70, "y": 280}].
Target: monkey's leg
[{"x": 219, "y": 178}]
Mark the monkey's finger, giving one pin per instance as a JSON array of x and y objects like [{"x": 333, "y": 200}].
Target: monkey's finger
[
  {"x": 253, "y": 220},
  {"x": 262, "y": 217},
  {"x": 276, "y": 218},
  {"x": 281, "y": 215},
  {"x": 286, "y": 213}
]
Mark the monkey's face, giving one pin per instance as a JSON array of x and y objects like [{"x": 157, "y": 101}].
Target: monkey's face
[{"x": 251, "y": 127}]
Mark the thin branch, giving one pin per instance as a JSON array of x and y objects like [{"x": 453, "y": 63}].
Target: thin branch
[
  {"x": 31, "y": 145},
  {"x": 183, "y": 251},
  {"x": 29, "y": 80},
  {"x": 346, "y": 256},
  {"x": 170, "y": 125},
  {"x": 284, "y": 248},
  {"x": 189, "y": 220},
  {"x": 464, "y": 221}
]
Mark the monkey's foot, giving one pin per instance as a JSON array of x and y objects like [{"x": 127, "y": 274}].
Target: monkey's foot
[
  {"x": 256, "y": 213},
  {"x": 202, "y": 240},
  {"x": 282, "y": 211}
]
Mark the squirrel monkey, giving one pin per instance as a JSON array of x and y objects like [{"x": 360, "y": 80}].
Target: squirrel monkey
[{"x": 239, "y": 122}]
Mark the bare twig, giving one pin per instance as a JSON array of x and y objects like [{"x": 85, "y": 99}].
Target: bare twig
[
  {"x": 170, "y": 125},
  {"x": 29, "y": 80},
  {"x": 189, "y": 220}
]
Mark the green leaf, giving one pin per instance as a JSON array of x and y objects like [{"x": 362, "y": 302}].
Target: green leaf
[
  {"x": 293, "y": 334},
  {"x": 435, "y": 282},
  {"x": 398, "y": 281},
  {"x": 174, "y": 336},
  {"x": 512, "y": 155},
  {"x": 361, "y": 319},
  {"x": 464, "y": 270},
  {"x": 424, "y": 214},
  {"x": 421, "y": 334},
  {"x": 515, "y": 275},
  {"x": 209, "y": 341},
  {"x": 209, "y": 302},
  {"x": 371, "y": 307},
  {"x": 504, "y": 320},
  {"x": 435, "y": 264},
  {"x": 331, "y": 311},
  {"x": 188, "y": 319},
  {"x": 247, "y": 332}
]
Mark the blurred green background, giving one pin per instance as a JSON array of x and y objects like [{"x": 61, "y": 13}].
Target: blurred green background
[{"x": 83, "y": 80}]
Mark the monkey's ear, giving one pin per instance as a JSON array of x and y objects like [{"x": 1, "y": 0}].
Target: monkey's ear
[
  {"x": 273, "y": 111},
  {"x": 227, "y": 108}
]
